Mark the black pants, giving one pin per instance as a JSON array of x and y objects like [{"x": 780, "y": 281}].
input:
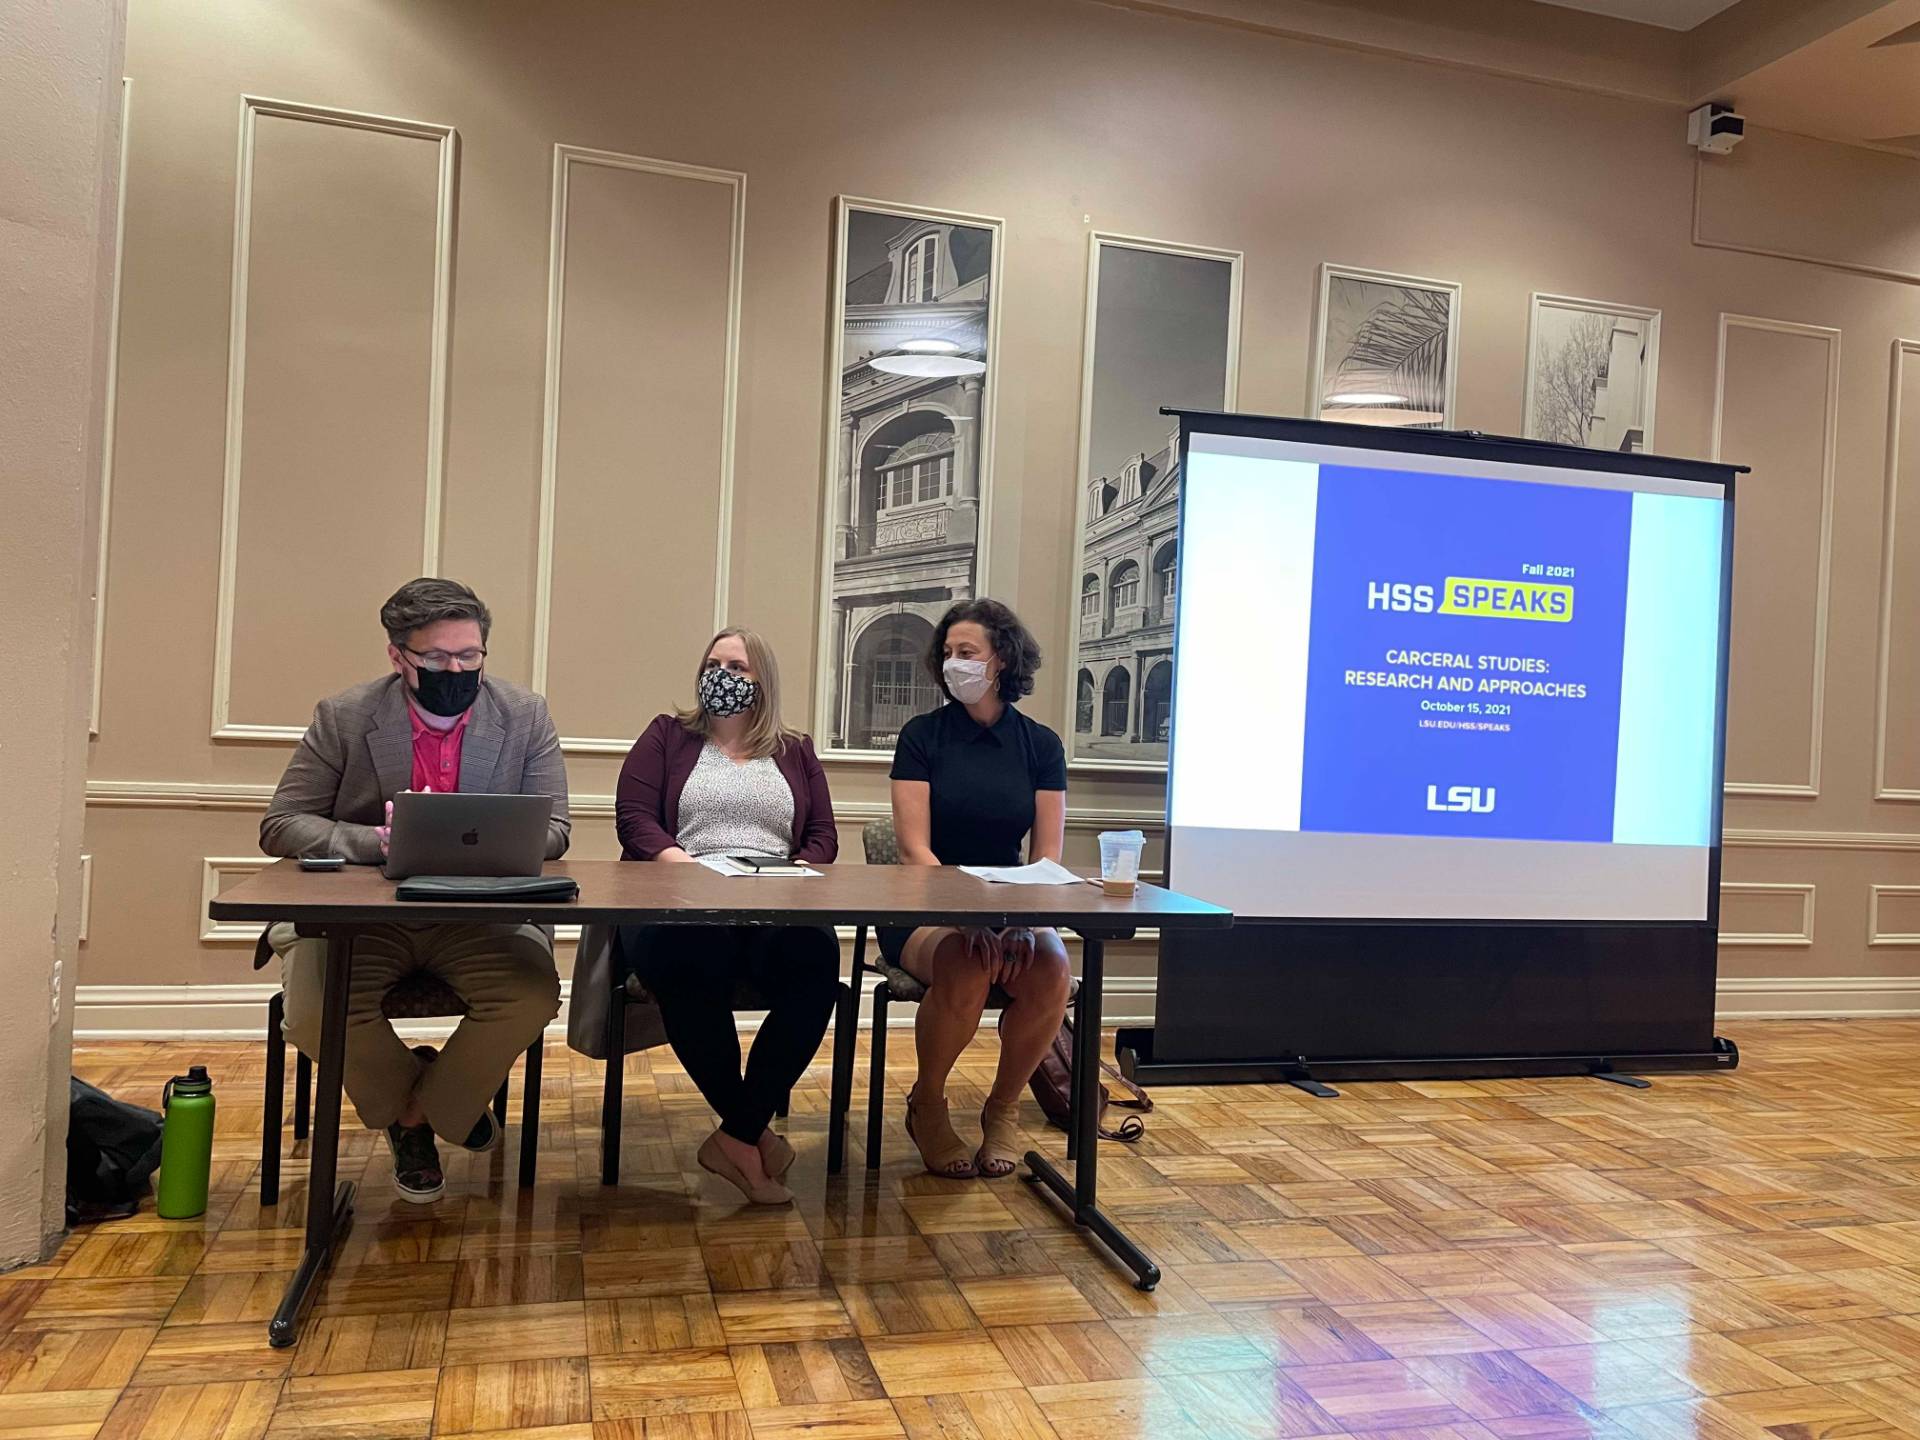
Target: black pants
[{"x": 699, "y": 973}]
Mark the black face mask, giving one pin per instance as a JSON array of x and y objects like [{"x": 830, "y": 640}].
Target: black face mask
[{"x": 446, "y": 692}]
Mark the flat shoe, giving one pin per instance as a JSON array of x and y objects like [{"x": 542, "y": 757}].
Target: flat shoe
[
  {"x": 714, "y": 1161},
  {"x": 778, "y": 1158}
]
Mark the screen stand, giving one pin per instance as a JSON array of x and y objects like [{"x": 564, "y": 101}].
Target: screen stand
[
  {"x": 1614, "y": 1077},
  {"x": 1313, "y": 1087}
]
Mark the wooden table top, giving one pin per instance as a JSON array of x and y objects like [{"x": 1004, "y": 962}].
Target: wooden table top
[{"x": 614, "y": 891}]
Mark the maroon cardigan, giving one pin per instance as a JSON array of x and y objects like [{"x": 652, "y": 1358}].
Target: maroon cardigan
[{"x": 646, "y": 806}]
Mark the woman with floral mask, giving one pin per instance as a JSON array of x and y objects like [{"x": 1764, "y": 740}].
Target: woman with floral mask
[
  {"x": 971, "y": 782},
  {"x": 726, "y": 777}
]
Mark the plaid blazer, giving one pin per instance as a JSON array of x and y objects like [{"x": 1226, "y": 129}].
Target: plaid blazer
[{"x": 358, "y": 754}]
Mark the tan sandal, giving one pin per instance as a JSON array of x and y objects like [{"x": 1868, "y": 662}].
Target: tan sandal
[
  {"x": 942, "y": 1151},
  {"x": 999, "y": 1153}
]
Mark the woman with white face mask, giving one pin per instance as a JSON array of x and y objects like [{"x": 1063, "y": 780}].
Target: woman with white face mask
[
  {"x": 726, "y": 777},
  {"x": 972, "y": 781}
]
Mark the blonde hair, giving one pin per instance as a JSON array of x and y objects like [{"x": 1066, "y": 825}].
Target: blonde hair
[{"x": 765, "y": 734}]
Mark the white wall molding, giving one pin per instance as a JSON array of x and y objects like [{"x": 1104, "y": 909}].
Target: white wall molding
[
  {"x": 178, "y": 795},
  {"x": 1701, "y": 164},
  {"x": 220, "y": 795},
  {"x": 1878, "y": 938},
  {"x": 252, "y": 107},
  {"x": 214, "y": 868},
  {"x": 1817, "y": 997},
  {"x": 110, "y": 411},
  {"x": 1890, "y": 506},
  {"x": 564, "y": 158},
  {"x": 1810, "y": 788},
  {"x": 1820, "y": 840},
  {"x": 1784, "y": 939}
]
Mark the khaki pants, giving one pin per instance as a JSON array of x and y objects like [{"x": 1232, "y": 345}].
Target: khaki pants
[{"x": 505, "y": 973}]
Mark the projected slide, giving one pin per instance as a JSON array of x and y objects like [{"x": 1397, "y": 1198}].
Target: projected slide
[
  {"x": 1451, "y": 690},
  {"x": 1463, "y": 664}
]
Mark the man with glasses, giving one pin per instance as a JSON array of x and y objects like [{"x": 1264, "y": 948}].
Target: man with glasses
[{"x": 438, "y": 722}]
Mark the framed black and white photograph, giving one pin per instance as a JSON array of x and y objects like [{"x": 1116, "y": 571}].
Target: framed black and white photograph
[
  {"x": 1592, "y": 371},
  {"x": 1163, "y": 329},
  {"x": 1385, "y": 349},
  {"x": 908, "y": 471}
]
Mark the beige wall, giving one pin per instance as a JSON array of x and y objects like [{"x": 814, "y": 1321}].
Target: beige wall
[
  {"x": 1060, "y": 117},
  {"x": 60, "y": 108}
]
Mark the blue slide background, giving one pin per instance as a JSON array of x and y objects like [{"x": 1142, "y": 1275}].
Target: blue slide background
[{"x": 1367, "y": 760}]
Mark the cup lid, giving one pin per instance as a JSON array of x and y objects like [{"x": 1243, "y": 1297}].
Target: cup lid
[{"x": 195, "y": 1082}]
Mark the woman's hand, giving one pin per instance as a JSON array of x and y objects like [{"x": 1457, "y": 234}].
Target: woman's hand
[
  {"x": 1016, "y": 954},
  {"x": 983, "y": 948},
  {"x": 674, "y": 855}
]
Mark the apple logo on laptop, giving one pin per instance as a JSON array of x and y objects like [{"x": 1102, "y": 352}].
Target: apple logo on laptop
[{"x": 472, "y": 837}]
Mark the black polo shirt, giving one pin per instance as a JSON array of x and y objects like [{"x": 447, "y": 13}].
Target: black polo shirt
[{"x": 983, "y": 780}]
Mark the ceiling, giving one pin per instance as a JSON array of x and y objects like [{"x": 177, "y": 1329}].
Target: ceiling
[
  {"x": 1671, "y": 14},
  {"x": 1845, "y": 70},
  {"x": 1859, "y": 82}
]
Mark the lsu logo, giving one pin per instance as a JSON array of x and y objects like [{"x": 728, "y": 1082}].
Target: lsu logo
[{"x": 1462, "y": 799}]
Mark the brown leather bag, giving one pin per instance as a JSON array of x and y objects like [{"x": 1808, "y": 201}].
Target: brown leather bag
[{"x": 1052, "y": 1086}]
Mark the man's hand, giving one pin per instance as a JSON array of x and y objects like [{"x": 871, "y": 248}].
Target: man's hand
[{"x": 385, "y": 832}]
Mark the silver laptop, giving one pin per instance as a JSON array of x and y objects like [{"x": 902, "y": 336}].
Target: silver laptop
[{"x": 454, "y": 834}]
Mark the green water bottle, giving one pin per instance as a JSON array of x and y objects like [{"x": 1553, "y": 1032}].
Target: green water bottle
[{"x": 186, "y": 1145}]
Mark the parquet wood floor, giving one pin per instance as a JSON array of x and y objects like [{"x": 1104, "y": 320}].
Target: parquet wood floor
[{"x": 1730, "y": 1256}]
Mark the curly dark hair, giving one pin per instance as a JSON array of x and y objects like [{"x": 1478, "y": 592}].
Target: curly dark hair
[{"x": 1019, "y": 652}]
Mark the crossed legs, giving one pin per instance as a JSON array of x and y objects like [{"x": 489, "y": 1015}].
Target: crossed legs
[{"x": 506, "y": 975}]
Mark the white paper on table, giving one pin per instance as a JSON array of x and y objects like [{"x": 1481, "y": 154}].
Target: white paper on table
[
  {"x": 727, "y": 865},
  {"x": 1040, "y": 872}
]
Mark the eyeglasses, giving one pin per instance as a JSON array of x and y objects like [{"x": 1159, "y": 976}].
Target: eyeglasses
[{"x": 437, "y": 660}]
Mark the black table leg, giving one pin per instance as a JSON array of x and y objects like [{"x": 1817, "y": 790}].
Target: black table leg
[
  {"x": 329, "y": 1209},
  {"x": 1081, "y": 1196}
]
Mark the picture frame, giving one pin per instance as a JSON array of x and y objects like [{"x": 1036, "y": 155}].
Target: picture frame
[
  {"x": 907, "y": 481},
  {"x": 1171, "y": 315},
  {"x": 1386, "y": 349},
  {"x": 1575, "y": 351}
]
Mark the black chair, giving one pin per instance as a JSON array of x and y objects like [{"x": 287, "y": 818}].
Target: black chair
[
  {"x": 419, "y": 996},
  {"x": 628, "y": 990},
  {"x": 882, "y": 847}
]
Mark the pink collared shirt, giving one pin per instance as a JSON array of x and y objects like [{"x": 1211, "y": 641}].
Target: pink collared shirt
[{"x": 436, "y": 753}]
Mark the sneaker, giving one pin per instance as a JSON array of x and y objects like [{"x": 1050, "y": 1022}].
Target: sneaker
[
  {"x": 485, "y": 1133},
  {"x": 416, "y": 1163}
]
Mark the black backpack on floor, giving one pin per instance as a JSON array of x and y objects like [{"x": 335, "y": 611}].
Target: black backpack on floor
[{"x": 113, "y": 1148}]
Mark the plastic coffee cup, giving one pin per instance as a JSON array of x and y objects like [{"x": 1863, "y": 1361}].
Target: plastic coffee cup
[{"x": 1120, "y": 852}]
